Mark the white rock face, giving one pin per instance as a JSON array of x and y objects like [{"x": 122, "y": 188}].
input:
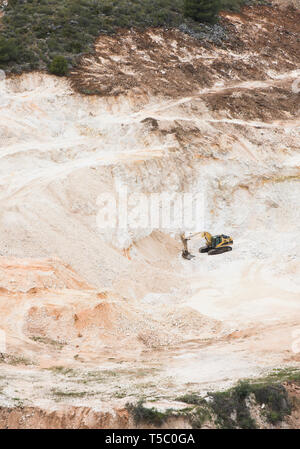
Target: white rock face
[{"x": 60, "y": 151}]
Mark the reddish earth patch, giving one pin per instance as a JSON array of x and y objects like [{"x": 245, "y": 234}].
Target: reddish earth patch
[{"x": 266, "y": 104}]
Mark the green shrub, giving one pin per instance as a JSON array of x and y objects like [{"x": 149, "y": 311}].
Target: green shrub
[
  {"x": 59, "y": 66},
  {"x": 192, "y": 398},
  {"x": 8, "y": 50},
  {"x": 200, "y": 416},
  {"x": 276, "y": 400},
  {"x": 230, "y": 407},
  {"x": 143, "y": 414},
  {"x": 12, "y": 3},
  {"x": 202, "y": 10},
  {"x": 232, "y": 5}
]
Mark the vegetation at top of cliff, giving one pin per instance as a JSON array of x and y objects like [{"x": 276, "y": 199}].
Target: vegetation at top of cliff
[
  {"x": 142, "y": 414},
  {"x": 231, "y": 409},
  {"x": 33, "y": 33},
  {"x": 264, "y": 399}
]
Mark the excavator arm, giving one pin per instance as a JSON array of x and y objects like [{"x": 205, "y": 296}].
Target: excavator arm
[
  {"x": 185, "y": 253},
  {"x": 206, "y": 235}
]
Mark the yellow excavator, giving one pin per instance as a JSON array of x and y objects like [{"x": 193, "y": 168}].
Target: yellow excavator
[{"x": 217, "y": 244}]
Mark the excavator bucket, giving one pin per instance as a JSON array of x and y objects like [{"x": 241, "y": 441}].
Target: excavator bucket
[{"x": 188, "y": 256}]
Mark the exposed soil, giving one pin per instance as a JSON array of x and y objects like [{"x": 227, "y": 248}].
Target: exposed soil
[{"x": 260, "y": 40}]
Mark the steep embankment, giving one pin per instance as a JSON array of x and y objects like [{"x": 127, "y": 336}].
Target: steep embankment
[{"x": 175, "y": 115}]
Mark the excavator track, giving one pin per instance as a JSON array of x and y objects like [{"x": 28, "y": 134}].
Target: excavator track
[
  {"x": 214, "y": 252},
  {"x": 204, "y": 249}
]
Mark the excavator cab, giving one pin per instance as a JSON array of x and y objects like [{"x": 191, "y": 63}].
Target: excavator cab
[
  {"x": 220, "y": 240},
  {"x": 217, "y": 244}
]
